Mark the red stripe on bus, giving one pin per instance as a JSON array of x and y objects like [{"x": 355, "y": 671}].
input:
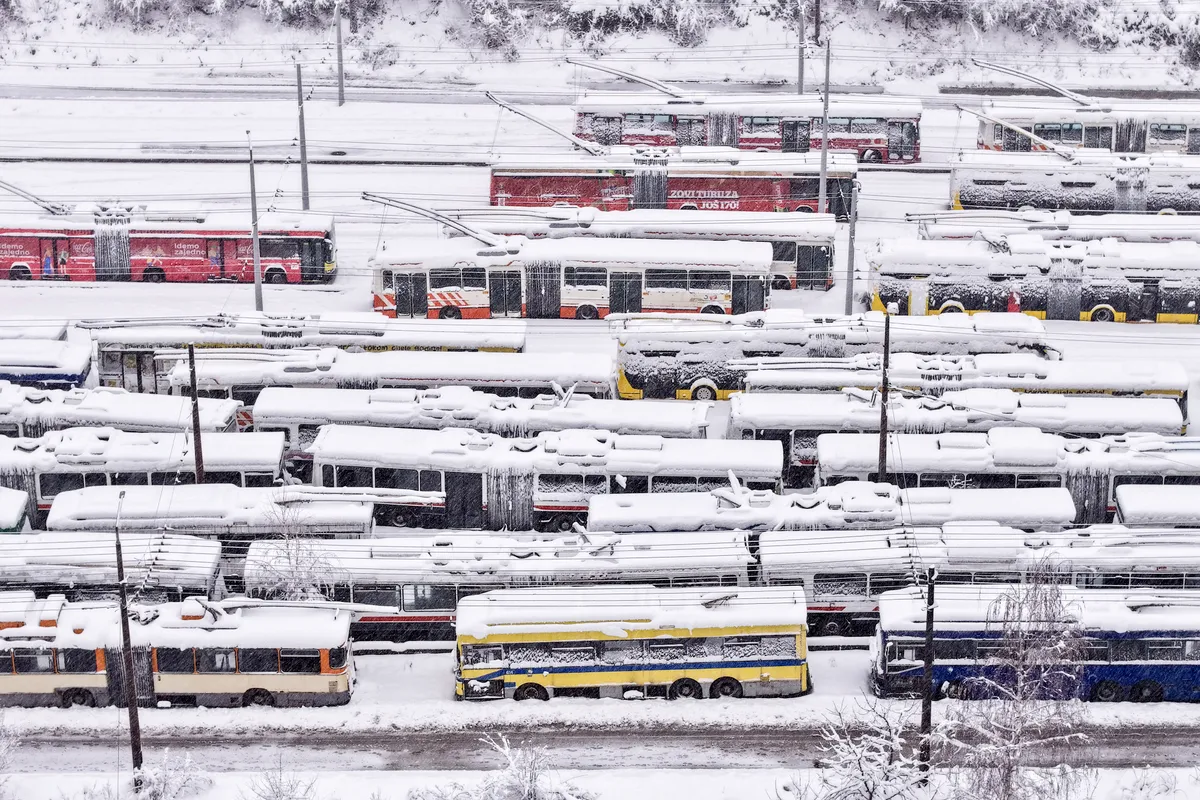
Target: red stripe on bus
[{"x": 406, "y": 619}]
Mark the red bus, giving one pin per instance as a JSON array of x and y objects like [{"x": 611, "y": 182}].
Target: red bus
[
  {"x": 716, "y": 179},
  {"x": 882, "y": 130},
  {"x": 124, "y": 245}
]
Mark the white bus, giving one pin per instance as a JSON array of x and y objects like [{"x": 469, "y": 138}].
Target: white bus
[
  {"x": 14, "y": 510},
  {"x": 1164, "y": 505},
  {"x": 60, "y": 461},
  {"x": 126, "y": 349},
  {"x": 232, "y": 653},
  {"x": 299, "y": 414},
  {"x": 1016, "y": 457},
  {"x": 698, "y": 357},
  {"x": 82, "y": 565},
  {"x": 32, "y": 412},
  {"x": 802, "y": 247},
  {"x": 1122, "y": 126},
  {"x": 778, "y": 415},
  {"x": 543, "y": 483},
  {"x": 1055, "y": 225},
  {"x": 44, "y": 363},
  {"x": 424, "y": 577},
  {"x": 851, "y": 505},
  {"x": 568, "y": 278}
]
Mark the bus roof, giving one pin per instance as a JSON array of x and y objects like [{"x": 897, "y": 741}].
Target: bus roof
[
  {"x": 857, "y": 410},
  {"x": 110, "y": 407},
  {"x": 1158, "y": 505},
  {"x": 112, "y": 450},
  {"x": 684, "y": 161},
  {"x": 17, "y": 328},
  {"x": 1042, "y": 161},
  {"x": 79, "y": 558},
  {"x": 749, "y": 105},
  {"x": 34, "y": 357},
  {"x": 181, "y": 223},
  {"x": 1059, "y": 225},
  {"x": 1030, "y": 252},
  {"x": 618, "y": 611},
  {"x": 573, "y": 451},
  {"x": 463, "y": 407}
]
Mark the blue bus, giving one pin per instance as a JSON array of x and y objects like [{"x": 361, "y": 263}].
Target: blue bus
[{"x": 1138, "y": 646}]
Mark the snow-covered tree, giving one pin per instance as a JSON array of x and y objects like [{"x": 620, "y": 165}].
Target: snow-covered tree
[
  {"x": 526, "y": 775},
  {"x": 293, "y": 567}
]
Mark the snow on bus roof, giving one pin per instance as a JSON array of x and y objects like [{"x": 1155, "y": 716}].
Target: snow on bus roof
[
  {"x": 573, "y": 451},
  {"x": 682, "y": 161},
  {"x": 463, "y": 557},
  {"x": 206, "y": 505},
  {"x": 13, "y": 506},
  {"x": 785, "y": 554},
  {"x": 153, "y": 560},
  {"x": 329, "y": 366},
  {"x": 33, "y": 355},
  {"x": 17, "y": 328},
  {"x": 1007, "y": 251},
  {"x": 463, "y": 407},
  {"x": 757, "y": 105},
  {"x": 968, "y": 608},
  {"x": 200, "y": 222},
  {"x": 1158, "y": 505},
  {"x": 108, "y": 406},
  {"x": 621, "y": 611},
  {"x": 857, "y": 410},
  {"x": 1047, "y": 162},
  {"x": 113, "y": 451},
  {"x": 1060, "y": 225},
  {"x": 341, "y": 329}
]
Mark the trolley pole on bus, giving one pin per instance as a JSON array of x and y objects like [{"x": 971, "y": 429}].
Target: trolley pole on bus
[
  {"x": 196, "y": 441},
  {"x": 258, "y": 297},
  {"x": 850, "y": 251},
  {"x": 800, "y": 47},
  {"x": 303, "y": 141},
  {"x": 927, "y": 696},
  {"x": 824, "y": 139},
  {"x": 135, "y": 726},
  {"x": 337, "y": 22},
  {"x": 883, "y": 398}
]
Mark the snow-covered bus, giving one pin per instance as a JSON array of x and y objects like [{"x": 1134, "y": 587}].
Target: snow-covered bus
[
  {"x": 581, "y": 279},
  {"x": 778, "y": 415},
  {"x": 1122, "y": 126},
  {"x": 234, "y": 652},
  {"x": 1084, "y": 183},
  {"x": 543, "y": 483},
  {"x": 44, "y": 363},
  {"x": 14, "y": 510},
  {"x": 32, "y": 412},
  {"x": 1052, "y": 225},
  {"x": 1163, "y": 505},
  {"x": 703, "y": 357},
  {"x": 1100, "y": 281},
  {"x": 802, "y": 245},
  {"x": 60, "y": 461},
  {"x": 1016, "y": 457},
  {"x": 127, "y": 350}
]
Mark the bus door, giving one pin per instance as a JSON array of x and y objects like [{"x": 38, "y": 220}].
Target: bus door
[
  {"x": 312, "y": 260},
  {"x": 216, "y": 259},
  {"x": 689, "y": 131},
  {"x": 813, "y": 267},
  {"x": 749, "y": 294},
  {"x": 464, "y": 500},
  {"x": 1147, "y": 307},
  {"x": 1098, "y": 136},
  {"x": 1016, "y": 142},
  {"x": 902, "y": 140},
  {"x": 138, "y": 372},
  {"x": 543, "y": 295},
  {"x": 504, "y": 293},
  {"x": 411, "y": 292},
  {"x": 624, "y": 292},
  {"x": 608, "y": 130},
  {"x": 796, "y": 133}
]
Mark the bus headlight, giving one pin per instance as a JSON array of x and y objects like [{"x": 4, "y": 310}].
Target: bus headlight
[{"x": 330, "y": 266}]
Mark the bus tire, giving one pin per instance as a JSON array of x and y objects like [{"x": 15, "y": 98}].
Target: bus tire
[
  {"x": 258, "y": 697},
  {"x": 531, "y": 691},
  {"x": 1102, "y": 314},
  {"x": 398, "y": 517},
  {"x": 19, "y": 273},
  {"x": 450, "y": 312},
  {"x": 832, "y": 626},
  {"x": 1108, "y": 692},
  {"x": 704, "y": 391},
  {"x": 1146, "y": 692},
  {"x": 951, "y": 308},
  {"x": 563, "y": 523},
  {"x": 712, "y": 310},
  {"x": 725, "y": 687},
  {"x": 804, "y": 210},
  {"x": 154, "y": 275},
  {"x": 781, "y": 283},
  {"x": 685, "y": 688},
  {"x": 871, "y": 157},
  {"x": 78, "y": 697},
  {"x": 276, "y": 276},
  {"x": 587, "y": 313}
]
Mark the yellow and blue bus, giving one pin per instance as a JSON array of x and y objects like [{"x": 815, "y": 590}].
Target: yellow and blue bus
[{"x": 632, "y": 642}]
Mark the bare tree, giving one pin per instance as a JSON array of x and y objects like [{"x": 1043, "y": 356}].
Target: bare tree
[
  {"x": 526, "y": 775},
  {"x": 280, "y": 784},
  {"x": 293, "y": 566}
]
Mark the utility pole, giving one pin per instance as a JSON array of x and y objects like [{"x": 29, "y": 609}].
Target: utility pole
[
  {"x": 337, "y": 21},
  {"x": 927, "y": 697},
  {"x": 135, "y": 726},
  {"x": 258, "y": 299},
  {"x": 883, "y": 399},
  {"x": 196, "y": 442},
  {"x": 800, "y": 47},
  {"x": 824, "y": 139},
  {"x": 817, "y": 20},
  {"x": 850, "y": 253},
  {"x": 303, "y": 141}
]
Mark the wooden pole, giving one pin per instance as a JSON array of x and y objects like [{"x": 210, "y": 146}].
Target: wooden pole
[
  {"x": 258, "y": 295},
  {"x": 927, "y": 696},
  {"x": 823, "y": 192},
  {"x": 135, "y": 726},
  {"x": 883, "y": 399},
  {"x": 303, "y": 141},
  {"x": 197, "y": 442}
]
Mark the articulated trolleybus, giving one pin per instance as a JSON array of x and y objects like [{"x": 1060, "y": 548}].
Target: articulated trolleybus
[{"x": 632, "y": 641}]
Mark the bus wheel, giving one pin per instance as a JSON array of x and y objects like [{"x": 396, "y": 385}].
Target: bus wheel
[
  {"x": 725, "y": 687},
  {"x": 780, "y": 283},
  {"x": 398, "y": 518},
  {"x": 1103, "y": 314},
  {"x": 78, "y": 697},
  {"x": 684, "y": 688},
  {"x": 1146, "y": 692},
  {"x": 276, "y": 276},
  {"x": 712, "y": 310},
  {"x": 833, "y": 627},
  {"x": 1107, "y": 692},
  {"x": 563, "y": 523},
  {"x": 450, "y": 312},
  {"x": 587, "y": 312},
  {"x": 950, "y": 308},
  {"x": 154, "y": 276},
  {"x": 531, "y": 691},
  {"x": 872, "y": 157},
  {"x": 704, "y": 392},
  {"x": 258, "y": 697},
  {"x": 804, "y": 210},
  {"x": 19, "y": 274}
]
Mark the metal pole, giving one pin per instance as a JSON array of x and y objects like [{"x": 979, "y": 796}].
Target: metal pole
[
  {"x": 850, "y": 253},
  {"x": 800, "y": 47},
  {"x": 927, "y": 697},
  {"x": 883, "y": 398},
  {"x": 258, "y": 297},
  {"x": 303, "y": 142},
  {"x": 135, "y": 726},
  {"x": 817, "y": 20},
  {"x": 337, "y": 21},
  {"x": 824, "y": 139},
  {"x": 196, "y": 441}
]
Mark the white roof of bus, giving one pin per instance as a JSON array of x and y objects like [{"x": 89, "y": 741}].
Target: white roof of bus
[
  {"x": 749, "y": 105},
  {"x": 181, "y": 223},
  {"x": 207, "y": 505},
  {"x": 17, "y": 328},
  {"x": 463, "y": 557},
  {"x": 328, "y": 366},
  {"x": 852, "y": 504},
  {"x": 1031, "y": 251},
  {"x": 13, "y": 507},
  {"x": 575, "y": 451},
  {"x": 619, "y": 611},
  {"x": 107, "y": 406},
  {"x": 786, "y": 553},
  {"x": 463, "y": 407},
  {"x": 1060, "y": 225},
  {"x": 1046, "y": 162},
  {"x": 38, "y": 355},
  {"x": 857, "y": 410},
  {"x": 89, "y": 557},
  {"x": 341, "y": 329},
  {"x": 684, "y": 161},
  {"x": 1158, "y": 505},
  {"x": 113, "y": 450},
  {"x": 1008, "y": 449}
]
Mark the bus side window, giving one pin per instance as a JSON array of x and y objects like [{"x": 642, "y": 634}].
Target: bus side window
[
  {"x": 216, "y": 659},
  {"x": 172, "y": 660},
  {"x": 259, "y": 479},
  {"x": 429, "y": 597},
  {"x": 30, "y": 662},
  {"x": 129, "y": 479},
  {"x": 1035, "y": 481},
  {"x": 327, "y": 475},
  {"x": 393, "y": 478},
  {"x": 223, "y": 477},
  {"x": 303, "y": 662},
  {"x": 629, "y": 484},
  {"x": 172, "y": 478},
  {"x": 431, "y": 480},
  {"x": 51, "y": 484},
  {"x": 246, "y": 395},
  {"x": 850, "y": 584},
  {"x": 355, "y": 477},
  {"x": 258, "y": 659},
  {"x": 76, "y": 661}
]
